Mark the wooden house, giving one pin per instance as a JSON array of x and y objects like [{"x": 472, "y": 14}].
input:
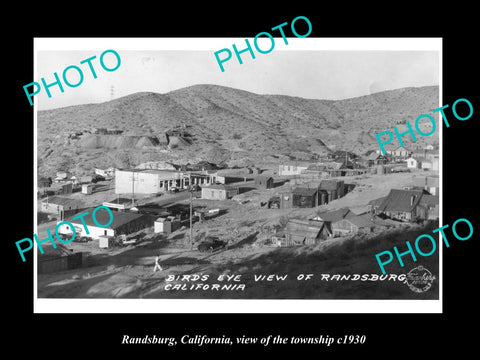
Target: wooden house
[
  {"x": 403, "y": 205},
  {"x": 292, "y": 169},
  {"x": 219, "y": 192},
  {"x": 330, "y": 190},
  {"x": 375, "y": 159},
  {"x": 304, "y": 197},
  {"x": 87, "y": 189},
  {"x": 264, "y": 181},
  {"x": 432, "y": 154},
  {"x": 401, "y": 152},
  {"x": 352, "y": 224},
  {"x": 61, "y": 176},
  {"x": 61, "y": 188},
  {"x": 305, "y": 232},
  {"x": 60, "y": 206},
  {"x": 332, "y": 216},
  {"x": 166, "y": 225},
  {"x": 415, "y": 162},
  {"x": 43, "y": 182},
  {"x": 428, "y": 183},
  {"x": 431, "y": 204},
  {"x": 427, "y": 165}
]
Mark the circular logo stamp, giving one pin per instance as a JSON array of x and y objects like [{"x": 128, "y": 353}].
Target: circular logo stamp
[{"x": 419, "y": 279}]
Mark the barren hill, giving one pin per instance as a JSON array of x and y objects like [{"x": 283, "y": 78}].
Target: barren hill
[{"x": 219, "y": 123}]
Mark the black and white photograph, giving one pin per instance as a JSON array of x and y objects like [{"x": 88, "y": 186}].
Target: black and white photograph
[
  {"x": 217, "y": 179},
  {"x": 238, "y": 184}
]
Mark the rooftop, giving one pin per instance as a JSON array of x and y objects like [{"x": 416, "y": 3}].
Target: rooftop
[
  {"x": 219, "y": 187},
  {"x": 430, "y": 200},
  {"x": 329, "y": 184},
  {"x": 426, "y": 181},
  {"x": 360, "y": 221},
  {"x": 401, "y": 200},
  {"x": 304, "y": 191},
  {"x": 304, "y": 228},
  {"x": 119, "y": 200},
  {"x": 335, "y": 215},
  {"x": 103, "y": 217}
]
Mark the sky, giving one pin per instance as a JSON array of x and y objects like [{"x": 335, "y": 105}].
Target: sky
[{"x": 313, "y": 74}]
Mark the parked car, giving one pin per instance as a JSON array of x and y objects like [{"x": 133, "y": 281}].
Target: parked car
[
  {"x": 211, "y": 244},
  {"x": 82, "y": 239}
]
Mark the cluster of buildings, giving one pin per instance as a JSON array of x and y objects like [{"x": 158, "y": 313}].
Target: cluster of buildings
[
  {"x": 400, "y": 205},
  {"x": 153, "y": 181},
  {"x": 311, "y": 196},
  {"x": 418, "y": 200},
  {"x": 373, "y": 161}
]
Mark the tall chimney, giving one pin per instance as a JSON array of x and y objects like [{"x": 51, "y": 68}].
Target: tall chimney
[{"x": 412, "y": 199}]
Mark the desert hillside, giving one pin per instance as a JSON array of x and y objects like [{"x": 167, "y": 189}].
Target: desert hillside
[{"x": 219, "y": 124}]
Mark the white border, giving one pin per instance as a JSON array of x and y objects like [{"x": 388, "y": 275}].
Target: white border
[{"x": 231, "y": 305}]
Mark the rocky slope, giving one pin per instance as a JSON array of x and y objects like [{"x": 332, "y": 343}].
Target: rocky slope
[{"x": 217, "y": 124}]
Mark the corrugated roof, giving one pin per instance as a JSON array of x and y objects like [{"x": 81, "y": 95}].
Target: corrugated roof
[
  {"x": 430, "y": 200},
  {"x": 376, "y": 202},
  {"x": 401, "y": 200},
  {"x": 335, "y": 215},
  {"x": 102, "y": 216},
  {"x": 263, "y": 177},
  {"x": 219, "y": 187},
  {"x": 304, "y": 228}
]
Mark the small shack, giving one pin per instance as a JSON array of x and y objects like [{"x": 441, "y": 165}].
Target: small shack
[
  {"x": 59, "y": 259},
  {"x": 304, "y": 197},
  {"x": 219, "y": 192},
  {"x": 166, "y": 225},
  {"x": 403, "y": 205},
  {"x": 264, "y": 181},
  {"x": 61, "y": 188},
  {"x": 331, "y": 190},
  {"x": 61, "y": 206},
  {"x": 305, "y": 232},
  {"x": 87, "y": 189}
]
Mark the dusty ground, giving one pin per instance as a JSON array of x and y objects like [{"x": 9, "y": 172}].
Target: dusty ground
[{"x": 128, "y": 271}]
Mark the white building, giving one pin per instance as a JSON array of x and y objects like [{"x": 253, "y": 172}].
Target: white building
[
  {"x": 155, "y": 181},
  {"x": 292, "y": 169},
  {"x": 87, "y": 189},
  {"x": 415, "y": 162}
]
